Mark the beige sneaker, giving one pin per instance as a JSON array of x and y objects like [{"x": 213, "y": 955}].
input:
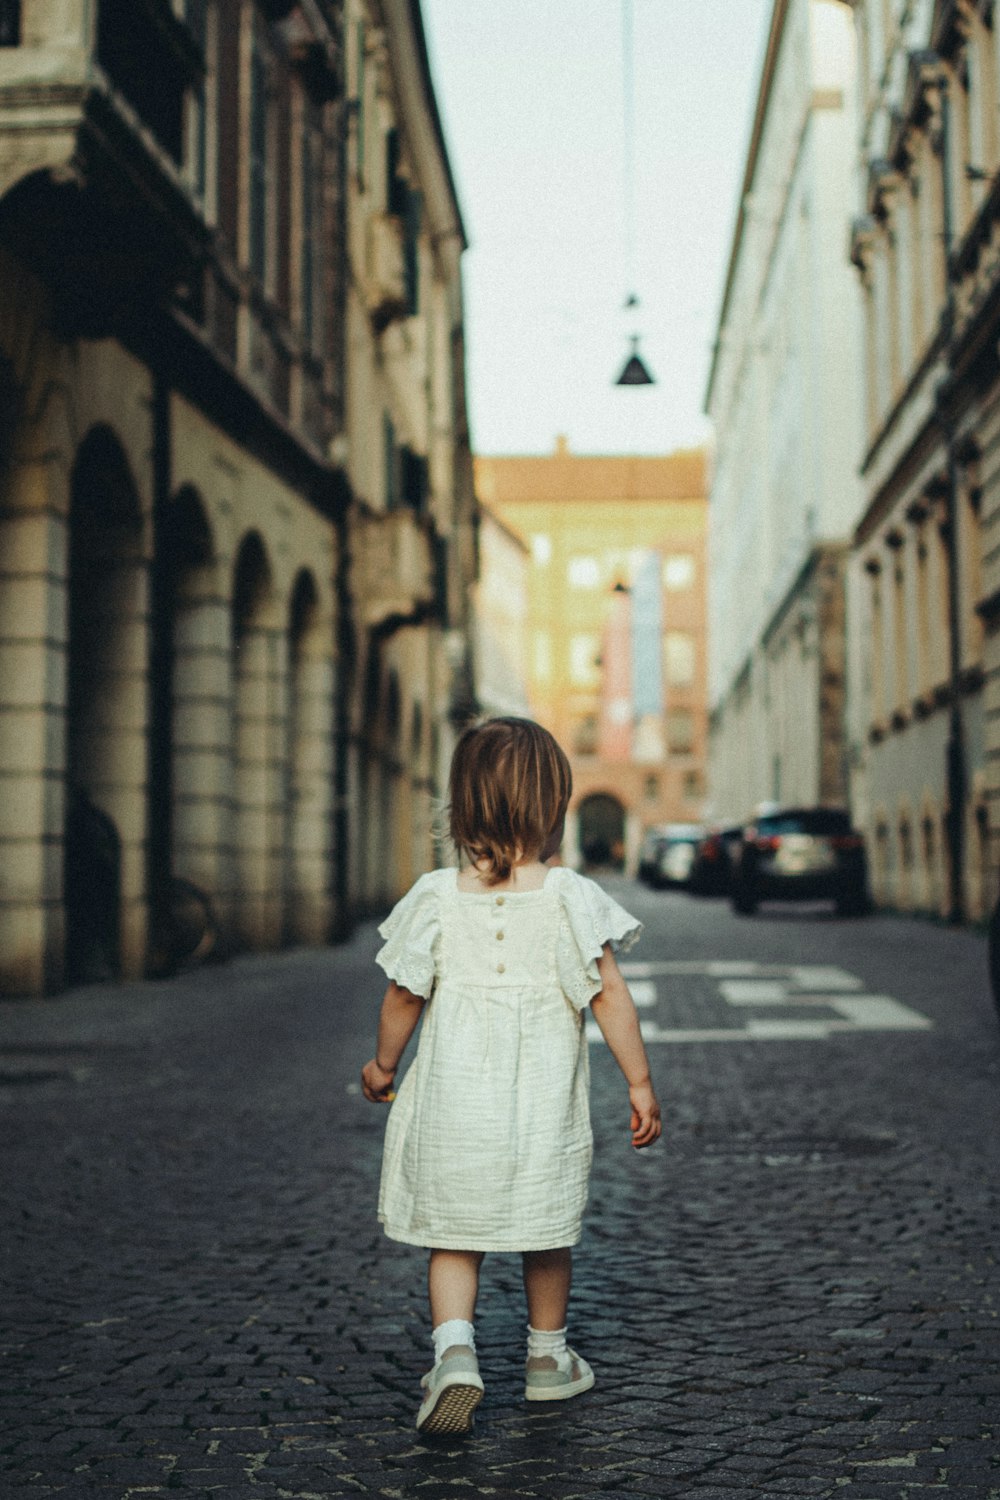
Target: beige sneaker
[
  {"x": 544, "y": 1380},
  {"x": 453, "y": 1389}
]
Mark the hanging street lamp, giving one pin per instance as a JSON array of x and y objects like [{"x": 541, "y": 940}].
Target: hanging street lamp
[{"x": 634, "y": 371}]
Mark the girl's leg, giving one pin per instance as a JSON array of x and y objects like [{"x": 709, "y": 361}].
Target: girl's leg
[
  {"x": 547, "y": 1276},
  {"x": 453, "y": 1282},
  {"x": 453, "y": 1388},
  {"x": 553, "y": 1370}
]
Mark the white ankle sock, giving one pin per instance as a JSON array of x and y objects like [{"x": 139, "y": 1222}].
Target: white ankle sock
[
  {"x": 454, "y": 1331},
  {"x": 542, "y": 1341}
]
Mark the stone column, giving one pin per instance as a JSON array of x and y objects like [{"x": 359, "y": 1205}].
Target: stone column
[
  {"x": 275, "y": 785},
  {"x": 32, "y": 747},
  {"x": 309, "y": 851},
  {"x": 112, "y": 750},
  {"x": 251, "y": 782},
  {"x": 201, "y": 733}
]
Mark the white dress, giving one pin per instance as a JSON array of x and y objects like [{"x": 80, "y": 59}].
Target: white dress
[{"x": 488, "y": 1143}]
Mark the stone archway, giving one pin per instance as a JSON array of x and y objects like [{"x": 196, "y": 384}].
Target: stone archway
[
  {"x": 309, "y": 769},
  {"x": 258, "y": 750},
  {"x": 601, "y": 831},
  {"x": 104, "y": 826},
  {"x": 189, "y": 743}
]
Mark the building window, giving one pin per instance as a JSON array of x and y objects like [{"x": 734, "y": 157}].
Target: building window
[
  {"x": 972, "y": 565},
  {"x": 541, "y": 548},
  {"x": 261, "y": 134},
  {"x": 361, "y": 83},
  {"x": 905, "y": 859},
  {"x": 145, "y": 63},
  {"x": 678, "y": 658},
  {"x": 583, "y": 653},
  {"x": 877, "y": 658},
  {"x": 407, "y": 206},
  {"x": 391, "y": 464},
  {"x": 10, "y": 23},
  {"x": 900, "y": 636},
  {"x": 680, "y": 731},
  {"x": 414, "y": 479},
  {"x": 311, "y": 222},
  {"x": 692, "y": 787},
  {"x": 883, "y": 857},
  {"x": 678, "y": 571},
  {"x": 196, "y": 17},
  {"x": 923, "y": 643},
  {"x": 583, "y": 573},
  {"x": 929, "y": 854}
]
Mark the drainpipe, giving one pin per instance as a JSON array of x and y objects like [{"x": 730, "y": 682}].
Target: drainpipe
[
  {"x": 342, "y": 731},
  {"x": 341, "y": 830},
  {"x": 955, "y": 772}
]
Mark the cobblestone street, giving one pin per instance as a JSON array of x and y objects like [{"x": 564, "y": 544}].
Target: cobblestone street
[{"x": 795, "y": 1294}]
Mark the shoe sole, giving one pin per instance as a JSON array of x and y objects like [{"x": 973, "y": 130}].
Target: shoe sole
[
  {"x": 559, "y": 1392},
  {"x": 452, "y": 1410}
]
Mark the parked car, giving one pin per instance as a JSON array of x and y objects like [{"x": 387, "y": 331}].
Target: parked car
[
  {"x": 801, "y": 854},
  {"x": 649, "y": 853},
  {"x": 675, "y": 850},
  {"x": 712, "y": 870}
]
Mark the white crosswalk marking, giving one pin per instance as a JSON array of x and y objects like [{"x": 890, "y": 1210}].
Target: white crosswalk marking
[
  {"x": 879, "y": 1013},
  {"x": 823, "y": 977},
  {"x": 753, "y": 991},
  {"x": 775, "y": 988}
]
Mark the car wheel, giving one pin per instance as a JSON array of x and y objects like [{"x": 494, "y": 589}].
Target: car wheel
[{"x": 744, "y": 903}]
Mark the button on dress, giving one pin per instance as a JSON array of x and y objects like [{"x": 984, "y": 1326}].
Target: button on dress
[{"x": 488, "y": 1144}]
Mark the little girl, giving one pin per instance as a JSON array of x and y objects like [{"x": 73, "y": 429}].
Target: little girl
[{"x": 488, "y": 1144}]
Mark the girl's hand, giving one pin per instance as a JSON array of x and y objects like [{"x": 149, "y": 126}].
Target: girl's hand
[
  {"x": 645, "y": 1125},
  {"x": 376, "y": 1083}
]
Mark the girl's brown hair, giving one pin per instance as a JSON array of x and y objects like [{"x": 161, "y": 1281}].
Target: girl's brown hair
[{"x": 510, "y": 787}]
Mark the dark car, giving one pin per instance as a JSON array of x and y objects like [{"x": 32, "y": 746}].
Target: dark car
[
  {"x": 801, "y": 854},
  {"x": 712, "y": 870},
  {"x": 674, "y": 854}
]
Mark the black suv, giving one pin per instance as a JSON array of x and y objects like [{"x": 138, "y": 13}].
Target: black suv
[{"x": 801, "y": 854}]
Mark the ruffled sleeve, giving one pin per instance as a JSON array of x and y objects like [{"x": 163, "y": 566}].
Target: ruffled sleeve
[
  {"x": 589, "y": 918},
  {"x": 412, "y": 938}
]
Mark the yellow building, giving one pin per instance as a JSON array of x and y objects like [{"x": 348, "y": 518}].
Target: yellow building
[
  {"x": 501, "y": 618},
  {"x": 597, "y": 527}
]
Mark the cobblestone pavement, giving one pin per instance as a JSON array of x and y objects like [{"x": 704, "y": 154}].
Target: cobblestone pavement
[{"x": 794, "y": 1295}]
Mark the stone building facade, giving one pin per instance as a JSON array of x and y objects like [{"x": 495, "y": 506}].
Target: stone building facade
[
  {"x": 501, "y": 614},
  {"x": 231, "y": 656},
  {"x": 926, "y": 558},
  {"x": 413, "y": 533},
  {"x": 617, "y": 650},
  {"x": 783, "y": 398}
]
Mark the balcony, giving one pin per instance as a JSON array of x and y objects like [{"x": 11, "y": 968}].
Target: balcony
[
  {"x": 94, "y": 196},
  {"x": 152, "y": 58},
  {"x": 397, "y": 571}
]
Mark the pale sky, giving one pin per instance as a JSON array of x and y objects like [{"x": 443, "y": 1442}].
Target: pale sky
[{"x": 531, "y": 95}]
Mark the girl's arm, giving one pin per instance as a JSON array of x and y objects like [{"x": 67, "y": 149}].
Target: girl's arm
[
  {"x": 615, "y": 1013},
  {"x": 396, "y": 1024}
]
